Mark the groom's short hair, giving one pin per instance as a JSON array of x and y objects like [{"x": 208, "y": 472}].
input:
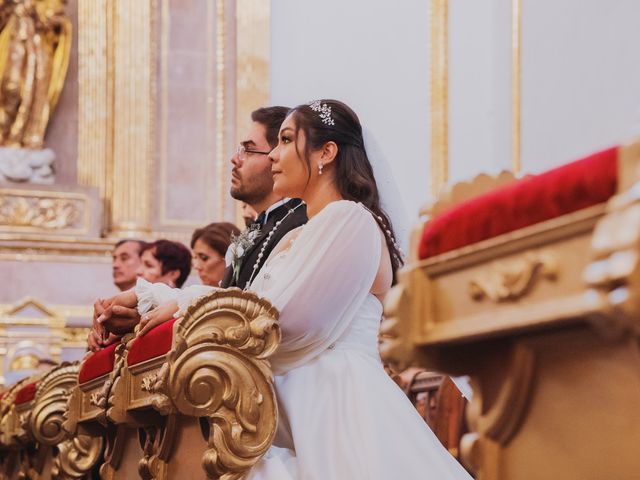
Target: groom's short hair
[{"x": 271, "y": 118}]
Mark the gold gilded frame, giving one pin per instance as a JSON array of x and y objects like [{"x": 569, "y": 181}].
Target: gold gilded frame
[{"x": 439, "y": 91}]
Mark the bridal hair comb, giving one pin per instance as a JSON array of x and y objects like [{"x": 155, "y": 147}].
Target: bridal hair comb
[{"x": 323, "y": 110}]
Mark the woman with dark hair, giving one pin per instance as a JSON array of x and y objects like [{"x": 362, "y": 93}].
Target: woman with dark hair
[
  {"x": 166, "y": 262},
  {"x": 209, "y": 246},
  {"x": 341, "y": 415}
]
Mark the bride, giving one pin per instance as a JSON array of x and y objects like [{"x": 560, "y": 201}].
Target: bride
[{"x": 341, "y": 416}]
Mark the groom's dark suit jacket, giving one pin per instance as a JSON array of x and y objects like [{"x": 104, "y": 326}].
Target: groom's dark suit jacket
[{"x": 294, "y": 220}]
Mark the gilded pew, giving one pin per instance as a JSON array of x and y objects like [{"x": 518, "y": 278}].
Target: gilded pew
[
  {"x": 34, "y": 446},
  {"x": 193, "y": 397},
  {"x": 14, "y": 440},
  {"x": 532, "y": 288}
]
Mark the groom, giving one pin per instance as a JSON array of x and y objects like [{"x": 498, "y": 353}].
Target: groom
[{"x": 252, "y": 183}]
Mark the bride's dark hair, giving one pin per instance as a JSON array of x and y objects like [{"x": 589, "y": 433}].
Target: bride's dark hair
[{"x": 353, "y": 171}]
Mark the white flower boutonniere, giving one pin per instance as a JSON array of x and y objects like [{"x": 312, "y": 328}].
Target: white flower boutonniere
[{"x": 240, "y": 245}]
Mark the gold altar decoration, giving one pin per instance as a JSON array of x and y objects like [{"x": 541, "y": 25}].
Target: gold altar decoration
[
  {"x": 213, "y": 390},
  {"x": 44, "y": 211},
  {"x": 35, "y": 44},
  {"x": 545, "y": 320}
]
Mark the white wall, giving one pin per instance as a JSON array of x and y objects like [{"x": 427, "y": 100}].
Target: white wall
[
  {"x": 479, "y": 87},
  {"x": 580, "y": 78},
  {"x": 373, "y": 55}
]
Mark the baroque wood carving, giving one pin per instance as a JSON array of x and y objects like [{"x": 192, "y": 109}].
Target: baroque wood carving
[
  {"x": 44, "y": 213},
  {"x": 219, "y": 370},
  {"x": 75, "y": 456},
  {"x": 511, "y": 280},
  {"x": 612, "y": 276}
]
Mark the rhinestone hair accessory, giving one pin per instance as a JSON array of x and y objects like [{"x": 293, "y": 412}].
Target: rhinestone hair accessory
[{"x": 323, "y": 110}]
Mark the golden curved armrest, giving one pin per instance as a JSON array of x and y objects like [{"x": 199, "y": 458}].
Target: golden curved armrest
[{"x": 213, "y": 389}]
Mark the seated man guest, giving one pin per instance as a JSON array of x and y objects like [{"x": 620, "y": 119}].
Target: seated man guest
[{"x": 125, "y": 263}]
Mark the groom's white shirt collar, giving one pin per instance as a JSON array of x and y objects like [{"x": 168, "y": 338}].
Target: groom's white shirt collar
[{"x": 273, "y": 207}]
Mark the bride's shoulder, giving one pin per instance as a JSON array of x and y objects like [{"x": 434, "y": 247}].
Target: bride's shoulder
[
  {"x": 345, "y": 212},
  {"x": 344, "y": 207}
]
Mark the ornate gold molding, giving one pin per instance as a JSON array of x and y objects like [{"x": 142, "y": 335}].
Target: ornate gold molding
[
  {"x": 75, "y": 337},
  {"x": 439, "y": 94},
  {"x": 516, "y": 85},
  {"x": 133, "y": 113},
  {"x": 439, "y": 91},
  {"x": 95, "y": 95},
  {"x": 512, "y": 280},
  {"x": 227, "y": 368},
  {"x": 43, "y": 211}
]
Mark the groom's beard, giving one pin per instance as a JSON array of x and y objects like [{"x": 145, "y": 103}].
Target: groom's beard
[{"x": 251, "y": 190}]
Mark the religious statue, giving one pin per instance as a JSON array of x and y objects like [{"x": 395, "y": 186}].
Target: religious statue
[{"x": 35, "y": 45}]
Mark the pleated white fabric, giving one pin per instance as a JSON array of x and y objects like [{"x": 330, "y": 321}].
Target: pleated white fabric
[{"x": 341, "y": 416}]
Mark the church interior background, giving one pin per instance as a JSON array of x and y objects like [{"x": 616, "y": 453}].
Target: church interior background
[{"x": 131, "y": 129}]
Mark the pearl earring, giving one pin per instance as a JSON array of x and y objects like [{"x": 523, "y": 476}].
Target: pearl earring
[{"x": 320, "y": 167}]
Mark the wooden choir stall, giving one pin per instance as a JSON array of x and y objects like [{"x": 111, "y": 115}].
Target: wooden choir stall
[{"x": 532, "y": 288}]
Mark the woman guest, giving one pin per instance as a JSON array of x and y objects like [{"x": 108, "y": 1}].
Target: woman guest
[
  {"x": 164, "y": 261},
  {"x": 209, "y": 245}
]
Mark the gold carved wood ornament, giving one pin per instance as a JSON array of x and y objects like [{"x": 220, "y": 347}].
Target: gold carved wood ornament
[
  {"x": 511, "y": 280},
  {"x": 46, "y": 213},
  {"x": 210, "y": 398}
]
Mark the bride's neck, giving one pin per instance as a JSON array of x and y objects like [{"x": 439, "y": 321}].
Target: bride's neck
[{"x": 320, "y": 196}]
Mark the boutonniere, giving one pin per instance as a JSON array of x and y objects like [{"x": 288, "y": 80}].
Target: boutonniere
[{"x": 240, "y": 245}]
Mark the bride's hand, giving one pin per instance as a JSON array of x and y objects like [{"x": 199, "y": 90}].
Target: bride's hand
[{"x": 155, "y": 317}]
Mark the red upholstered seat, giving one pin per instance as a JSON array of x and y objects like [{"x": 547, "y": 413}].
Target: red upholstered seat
[
  {"x": 98, "y": 364},
  {"x": 26, "y": 393},
  {"x": 574, "y": 186},
  {"x": 155, "y": 343}
]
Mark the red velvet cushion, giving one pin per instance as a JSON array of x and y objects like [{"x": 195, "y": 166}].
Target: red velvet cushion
[
  {"x": 98, "y": 363},
  {"x": 571, "y": 187},
  {"x": 26, "y": 393},
  {"x": 155, "y": 343}
]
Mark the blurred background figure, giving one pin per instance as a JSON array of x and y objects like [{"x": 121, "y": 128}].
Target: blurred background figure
[
  {"x": 126, "y": 262},
  {"x": 248, "y": 213},
  {"x": 165, "y": 261},
  {"x": 209, "y": 245}
]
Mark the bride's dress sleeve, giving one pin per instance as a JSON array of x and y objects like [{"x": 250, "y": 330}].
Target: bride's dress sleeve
[
  {"x": 151, "y": 295},
  {"x": 323, "y": 280}
]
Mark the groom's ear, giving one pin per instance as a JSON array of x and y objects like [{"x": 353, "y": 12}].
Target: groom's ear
[{"x": 329, "y": 152}]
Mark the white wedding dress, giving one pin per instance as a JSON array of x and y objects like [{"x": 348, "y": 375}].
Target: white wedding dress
[{"x": 340, "y": 415}]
